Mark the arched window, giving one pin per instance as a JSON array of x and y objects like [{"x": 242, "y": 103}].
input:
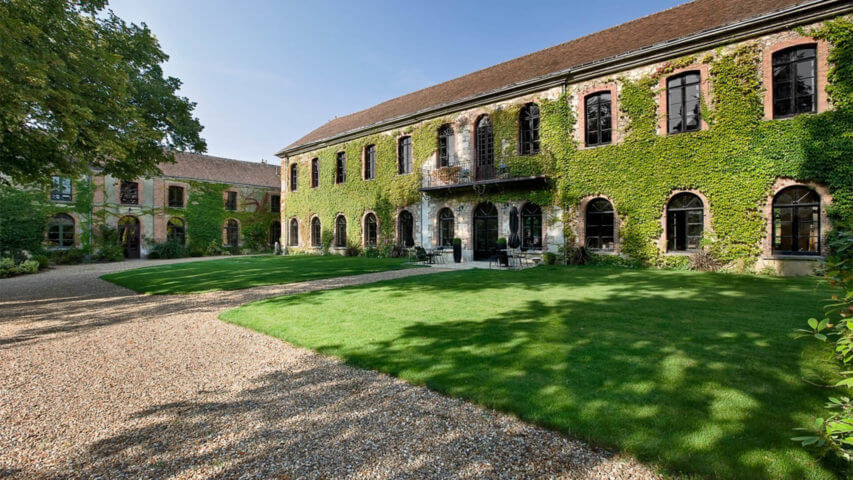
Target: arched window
[
  {"x": 485, "y": 148},
  {"x": 446, "y": 146},
  {"x": 445, "y": 227},
  {"x": 176, "y": 231},
  {"x": 531, "y": 226},
  {"x": 60, "y": 230},
  {"x": 528, "y": 120},
  {"x": 294, "y": 174},
  {"x": 685, "y": 222},
  {"x": 404, "y": 155},
  {"x": 599, "y": 119},
  {"x": 794, "y": 76},
  {"x": 370, "y": 162},
  {"x": 796, "y": 222},
  {"x": 232, "y": 233},
  {"x": 341, "y": 167},
  {"x": 316, "y": 233},
  {"x": 406, "y": 229},
  {"x": 341, "y": 231},
  {"x": 599, "y": 225},
  {"x": 371, "y": 230},
  {"x": 293, "y": 234},
  {"x": 315, "y": 173},
  {"x": 682, "y": 102}
]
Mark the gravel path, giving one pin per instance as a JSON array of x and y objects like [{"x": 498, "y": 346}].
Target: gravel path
[{"x": 99, "y": 382}]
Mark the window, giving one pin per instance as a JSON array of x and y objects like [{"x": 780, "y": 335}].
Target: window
[
  {"x": 485, "y": 148},
  {"x": 599, "y": 119},
  {"x": 176, "y": 231},
  {"x": 176, "y": 196},
  {"x": 341, "y": 231},
  {"x": 796, "y": 222},
  {"x": 275, "y": 233},
  {"x": 406, "y": 229},
  {"x": 293, "y": 234},
  {"x": 129, "y": 193},
  {"x": 315, "y": 173},
  {"x": 231, "y": 201},
  {"x": 531, "y": 226},
  {"x": 529, "y": 132},
  {"x": 445, "y": 227},
  {"x": 599, "y": 225},
  {"x": 682, "y": 94},
  {"x": 275, "y": 203},
  {"x": 446, "y": 146},
  {"x": 685, "y": 222},
  {"x": 371, "y": 230},
  {"x": 60, "y": 189},
  {"x": 404, "y": 155},
  {"x": 294, "y": 177},
  {"x": 370, "y": 162},
  {"x": 341, "y": 168},
  {"x": 60, "y": 231},
  {"x": 232, "y": 233},
  {"x": 316, "y": 233},
  {"x": 794, "y": 75}
]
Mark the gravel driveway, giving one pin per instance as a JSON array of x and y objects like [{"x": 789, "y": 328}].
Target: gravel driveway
[{"x": 99, "y": 382}]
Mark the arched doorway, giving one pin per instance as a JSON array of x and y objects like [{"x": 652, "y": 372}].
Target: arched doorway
[
  {"x": 406, "y": 229},
  {"x": 128, "y": 231},
  {"x": 275, "y": 233},
  {"x": 485, "y": 231},
  {"x": 685, "y": 222}
]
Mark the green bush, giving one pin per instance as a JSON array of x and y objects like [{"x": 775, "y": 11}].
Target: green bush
[
  {"x": 68, "y": 256},
  {"x": 214, "y": 248},
  {"x": 549, "y": 258},
  {"x": 234, "y": 250},
  {"x": 168, "y": 250},
  {"x": 674, "y": 262},
  {"x": 7, "y": 267},
  {"x": 110, "y": 253},
  {"x": 196, "y": 252},
  {"x": 28, "y": 266},
  {"x": 352, "y": 250},
  {"x": 372, "y": 252},
  {"x": 614, "y": 261},
  {"x": 255, "y": 236},
  {"x": 23, "y": 219},
  {"x": 44, "y": 260}
]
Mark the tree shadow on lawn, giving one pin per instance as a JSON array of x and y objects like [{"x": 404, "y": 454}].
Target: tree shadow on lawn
[{"x": 697, "y": 373}]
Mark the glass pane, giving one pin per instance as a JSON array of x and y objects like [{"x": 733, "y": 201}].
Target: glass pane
[{"x": 692, "y": 77}]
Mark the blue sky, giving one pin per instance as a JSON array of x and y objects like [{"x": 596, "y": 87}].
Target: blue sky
[{"x": 264, "y": 73}]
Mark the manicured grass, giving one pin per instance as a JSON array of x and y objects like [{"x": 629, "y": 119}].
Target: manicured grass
[
  {"x": 697, "y": 373},
  {"x": 245, "y": 272}
]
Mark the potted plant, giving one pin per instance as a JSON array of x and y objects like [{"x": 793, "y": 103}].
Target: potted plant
[
  {"x": 457, "y": 250},
  {"x": 502, "y": 256}
]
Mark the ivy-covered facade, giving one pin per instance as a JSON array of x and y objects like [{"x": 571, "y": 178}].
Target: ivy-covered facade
[
  {"x": 708, "y": 150},
  {"x": 192, "y": 204}
]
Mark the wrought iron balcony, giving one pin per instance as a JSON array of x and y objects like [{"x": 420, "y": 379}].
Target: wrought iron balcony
[{"x": 462, "y": 174}]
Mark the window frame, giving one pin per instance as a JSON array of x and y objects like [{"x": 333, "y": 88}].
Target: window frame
[
  {"x": 369, "y": 162},
  {"x": 446, "y": 152},
  {"x": 228, "y": 229},
  {"x": 683, "y": 87},
  {"x": 405, "y": 155},
  {"x": 445, "y": 238},
  {"x": 294, "y": 177},
  {"x": 528, "y": 221},
  {"x": 174, "y": 188},
  {"x": 672, "y": 235},
  {"x": 588, "y": 213},
  {"x": 315, "y": 172},
  {"x": 586, "y": 132},
  {"x": 61, "y": 188},
  {"x": 816, "y": 209},
  {"x": 123, "y": 185},
  {"x": 231, "y": 205},
  {"x": 484, "y": 148},
  {"x": 793, "y": 78},
  {"x": 69, "y": 226},
  {"x": 275, "y": 203},
  {"x": 293, "y": 232},
  {"x": 401, "y": 232},
  {"x": 340, "y": 240},
  {"x": 529, "y": 127},
  {"x": 316, "y": 237},
  {"x": 371, "y": 229},
  {"x": 170, "y": 235},
  {"x": 340, "y": 168}
]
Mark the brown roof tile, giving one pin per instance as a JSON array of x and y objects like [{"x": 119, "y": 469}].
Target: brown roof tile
[
  {"x": 670, "y": 24},
  {"x": 225, "y": 170}
]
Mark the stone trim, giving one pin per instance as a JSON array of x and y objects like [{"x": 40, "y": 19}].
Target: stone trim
[
  {"x": 704, "y": 95},
  {"x": 822, "y": 71}
]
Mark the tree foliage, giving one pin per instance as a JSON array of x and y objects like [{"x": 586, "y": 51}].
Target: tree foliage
[
  {"x": 22, "y": 221},
  {"x": 80, "y": 88}
]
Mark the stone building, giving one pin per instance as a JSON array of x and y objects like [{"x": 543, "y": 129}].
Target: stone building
[
  {"x": 695, "y": 128},
  {"x": 196, "y": 200}
]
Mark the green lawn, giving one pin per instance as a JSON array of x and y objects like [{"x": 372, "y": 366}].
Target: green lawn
[
  {"x": 245, "y": 272},
  {"x": 697, "y": 373}
]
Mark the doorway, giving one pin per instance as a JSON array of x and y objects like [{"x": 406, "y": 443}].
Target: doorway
[
  {"x": 128, "y": 230},
  {"x": 485, "y": 231}
]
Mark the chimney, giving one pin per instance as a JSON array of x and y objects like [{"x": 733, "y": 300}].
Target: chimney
[{"x": 263, "y": 161}]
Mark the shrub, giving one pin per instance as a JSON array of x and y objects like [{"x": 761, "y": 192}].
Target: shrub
[
  {"x": 110, "y": 253},
  {"x": 372, "y": 253},
  {"x": 214, "y": 248},
  {"x": 352, "y": 250},
  {"x": 7, "y": 267},
  {"x": 168, "y": 250},
  {"x": 234, "y": 250},
  {"x": 28, "y": 266},
  {"x": 68, "y": 256},
  {"x": 22, "y": 221},
  {"x": 44, "y": 261},
  {"x": 549, "y": 258},
  {"x": 196, "y": 251},
  {"x": 674, "y": 262},
  {"x": 457, "y": 241},
  {"x": 704, "y": 261},
  {"x": 501, "y": 243},
  {"x": 255, "y": 236},
  {"x": 575, "y": 255}
]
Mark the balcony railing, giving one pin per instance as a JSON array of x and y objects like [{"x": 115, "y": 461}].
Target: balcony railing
[{"x": 460, "y": 174}]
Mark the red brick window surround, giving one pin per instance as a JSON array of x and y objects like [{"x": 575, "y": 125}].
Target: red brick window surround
[
  {"x": 822, "y": 67},
  {"x": 704, "y": 94},
  {"x": 610, "y": 89}
]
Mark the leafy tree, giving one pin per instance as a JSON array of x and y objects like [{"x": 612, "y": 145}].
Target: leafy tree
[
  {"x": 22, "y": 221},
  {"x": 80, "y": 87}
]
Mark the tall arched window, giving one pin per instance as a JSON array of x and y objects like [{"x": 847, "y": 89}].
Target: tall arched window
[
  {"x": 531, "y": 226},
  {"x": 404, "y": 155},
  {"x": 371, "y": 230},
  {"x": 315, "y": 173},
  {"x": 485, "y": 148},
  {"x": 341, "y": 231},
  {"x": 796, "y": 221},
  {"x": 294, "y": 174},
  {"x": 794, "y": 76},
  {"x": 685, "y": 222},
  {"x": 293, "y": 234},
  {"x": 370, "y": 162},
  {"x": 60, "y": 230},
  {"x": 446, "y": 145},
  {"x": 682, "y": 98},
  {"x": 176, "y": 231},
  {"x": 406, "y": 229},
  {"x": 341, "y": 167},
  {"x": 316, "y": 233},
  {"x": 599, "y": 119},
  {"x": 445, "y": 227},
  {"x": 599, "y": 225},
  {"x": 232, "y": 233},
  {"x": 528, "y": 120}
]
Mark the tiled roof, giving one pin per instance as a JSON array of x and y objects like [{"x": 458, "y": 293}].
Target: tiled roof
[
  {"x": 671, "y": 24},
  {"x": 225, "y": 170}
]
